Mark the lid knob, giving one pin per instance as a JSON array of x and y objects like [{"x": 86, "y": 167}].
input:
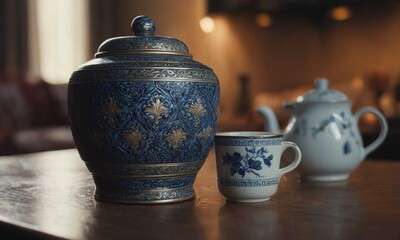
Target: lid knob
[
  {"x": 321, "y": 84},
  {"x": 143, "y": 26}
]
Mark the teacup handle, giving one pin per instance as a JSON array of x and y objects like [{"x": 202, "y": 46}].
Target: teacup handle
[
  {"x": 384, "y": 128},
  {"x": 296, "y": 160}
]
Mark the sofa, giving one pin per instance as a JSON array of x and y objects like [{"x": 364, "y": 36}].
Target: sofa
[{"x": 33, "y": 116}]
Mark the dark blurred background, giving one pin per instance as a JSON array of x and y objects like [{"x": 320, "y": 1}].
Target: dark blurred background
[{"x": 264, "y": 52}]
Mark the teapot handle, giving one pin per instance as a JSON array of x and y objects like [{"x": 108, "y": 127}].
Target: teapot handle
[{"x": 384, "y": 128}]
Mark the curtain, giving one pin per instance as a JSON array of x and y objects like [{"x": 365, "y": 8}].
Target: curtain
[{"x": 14, "y": 42}]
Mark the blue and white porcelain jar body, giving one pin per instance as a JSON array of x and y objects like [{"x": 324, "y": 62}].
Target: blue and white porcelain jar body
[{"x": 143, "y": 116}]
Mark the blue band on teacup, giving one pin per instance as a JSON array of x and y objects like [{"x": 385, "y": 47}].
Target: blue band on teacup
[
  {"x": 248, "y": 142},
  {"x": 248, "y": 182}
]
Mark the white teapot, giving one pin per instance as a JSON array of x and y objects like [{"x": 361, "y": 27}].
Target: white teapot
[{"x": 327, "y": 133}]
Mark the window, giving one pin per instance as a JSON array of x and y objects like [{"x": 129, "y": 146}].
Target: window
[{"x": 62, "y": 34}]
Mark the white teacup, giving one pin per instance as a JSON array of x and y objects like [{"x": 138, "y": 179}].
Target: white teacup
[{"x": 248, "y": 164}]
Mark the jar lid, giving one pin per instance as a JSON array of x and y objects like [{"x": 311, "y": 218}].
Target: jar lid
[{"x": 143, "y": 41}]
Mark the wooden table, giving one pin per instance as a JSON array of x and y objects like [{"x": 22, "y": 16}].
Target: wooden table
[{"x": 50, "y": 195}]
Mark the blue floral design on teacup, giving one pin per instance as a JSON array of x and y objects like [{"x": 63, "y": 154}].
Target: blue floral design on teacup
[{"x": 251, "y": 162}]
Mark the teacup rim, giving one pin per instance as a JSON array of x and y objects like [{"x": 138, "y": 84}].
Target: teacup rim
[{"x": 248, "y": 134}]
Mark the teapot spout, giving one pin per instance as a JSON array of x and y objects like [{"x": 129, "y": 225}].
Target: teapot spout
[{"x": 270, "y": 120}]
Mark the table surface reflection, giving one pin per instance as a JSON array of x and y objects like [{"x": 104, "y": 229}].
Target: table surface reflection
[{"x": 49, "y": 195}]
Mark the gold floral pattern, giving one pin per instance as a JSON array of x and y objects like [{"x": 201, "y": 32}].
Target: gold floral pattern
[
  {"x": 109, "y": 110},
  {"x": 175, "y": 138},
  {"x": 135, "y": 136},
  {"x": 205, "y": 134},
  {"x": 197, "y": 109},
  {"x": 157, "y": 110}
]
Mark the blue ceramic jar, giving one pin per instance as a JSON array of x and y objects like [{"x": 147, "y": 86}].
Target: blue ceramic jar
[{"x": 143, "y": 115}]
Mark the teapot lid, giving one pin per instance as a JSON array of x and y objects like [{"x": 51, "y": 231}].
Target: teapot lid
[
  {"x": 321, "y": 93},
  {"x": 143, "y": 41}
]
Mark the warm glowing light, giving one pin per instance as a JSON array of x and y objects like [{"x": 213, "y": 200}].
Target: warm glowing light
[
  {"x": 207, "y": 24},
  {"x": 340, "y": 13},
  {"x": 358, "y": 83},
  {"x": 263, "y": 20},
  {"x": 369, "y": 118}
]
